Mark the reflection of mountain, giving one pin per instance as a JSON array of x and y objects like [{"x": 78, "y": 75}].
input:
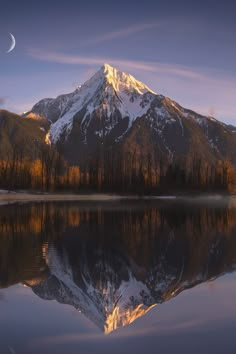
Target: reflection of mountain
[
  {"x": 110, "y": 298},
  {"x": 114, "y": 263},
  {"x": 113, "y": 291}
]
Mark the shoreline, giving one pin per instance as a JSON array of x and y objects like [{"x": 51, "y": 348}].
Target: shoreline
[
  {"x": 24, "y": 197},
  {"x": 14, "y": 197}
]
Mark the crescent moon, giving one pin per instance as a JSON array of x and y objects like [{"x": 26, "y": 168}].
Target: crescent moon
[{"x": 13, "y": 43}]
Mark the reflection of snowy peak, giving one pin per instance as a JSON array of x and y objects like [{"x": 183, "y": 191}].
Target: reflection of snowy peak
[
  {"x": 111, "y": 291},
  {"x": 114, "y": 261},
  {"x": 108, "y": 301}
]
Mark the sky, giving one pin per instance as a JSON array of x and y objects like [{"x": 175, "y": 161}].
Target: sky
[{"x": 182, "y": 49}]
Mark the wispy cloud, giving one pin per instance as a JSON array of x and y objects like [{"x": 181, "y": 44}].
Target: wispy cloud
[
  {"x": 62, "y": 58},
  {"x": 121, "y": 33},
  {"x": 193, "y": 87}
]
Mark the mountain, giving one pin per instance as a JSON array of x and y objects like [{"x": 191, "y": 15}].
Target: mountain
[
  {"x": 23, "y": 135},
  {"x": 113, "y": 110}
]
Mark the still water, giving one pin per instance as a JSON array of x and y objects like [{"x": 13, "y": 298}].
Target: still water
[{"x": 118, "y": 277}]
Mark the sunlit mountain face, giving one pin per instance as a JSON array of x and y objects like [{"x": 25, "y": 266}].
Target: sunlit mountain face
[{"x": 114, "y": 262}]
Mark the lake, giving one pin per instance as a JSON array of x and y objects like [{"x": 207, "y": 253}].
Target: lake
[{"x": 128, "y": 276}]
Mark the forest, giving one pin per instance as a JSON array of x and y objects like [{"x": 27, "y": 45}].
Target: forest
[{"x": 114, "y": 172}]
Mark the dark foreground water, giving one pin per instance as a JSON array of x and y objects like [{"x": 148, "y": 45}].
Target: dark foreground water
[{"x": 118, "y": 277}]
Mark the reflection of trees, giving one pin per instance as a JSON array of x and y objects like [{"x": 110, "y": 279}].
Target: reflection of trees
[{"x": 152, "y": 235}]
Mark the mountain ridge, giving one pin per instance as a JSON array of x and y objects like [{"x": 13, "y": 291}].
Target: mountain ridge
[{"x": 112, "y": 106}]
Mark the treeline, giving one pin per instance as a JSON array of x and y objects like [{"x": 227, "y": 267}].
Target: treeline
[{"x": 114, "y": 172}]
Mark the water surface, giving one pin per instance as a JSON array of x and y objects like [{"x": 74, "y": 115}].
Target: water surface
[{"x": 124, "y": 276}]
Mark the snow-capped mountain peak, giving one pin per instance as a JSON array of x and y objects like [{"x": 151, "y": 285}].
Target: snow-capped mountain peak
[
  {"x": 115, "y": 110},
  {"x": 110, "y": 95},
  {"x": 123, "y": 81}
]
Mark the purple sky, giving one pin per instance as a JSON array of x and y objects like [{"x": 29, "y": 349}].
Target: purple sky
[{"x": 181, "y": 49}]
